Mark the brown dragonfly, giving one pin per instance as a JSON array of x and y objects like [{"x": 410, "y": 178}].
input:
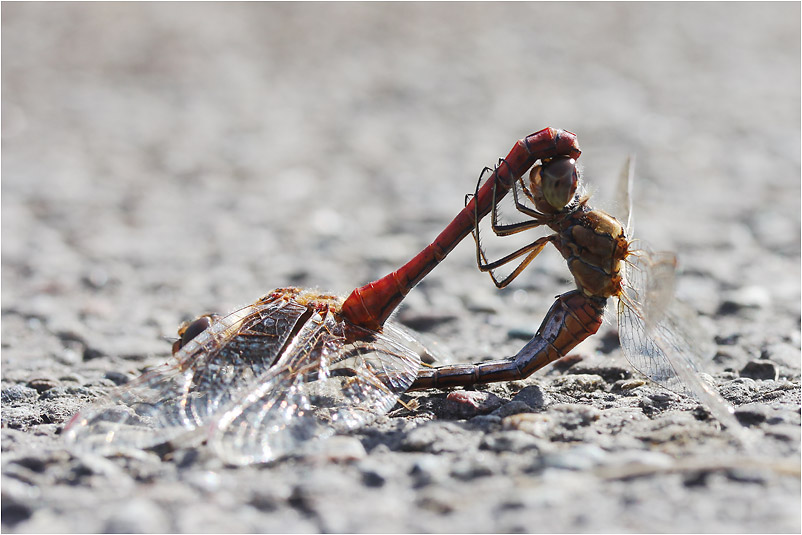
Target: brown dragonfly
[{"x": 265, "y": 380}]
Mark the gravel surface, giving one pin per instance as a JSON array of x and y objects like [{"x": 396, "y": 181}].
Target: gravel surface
[{"x": 165, "y": 160}]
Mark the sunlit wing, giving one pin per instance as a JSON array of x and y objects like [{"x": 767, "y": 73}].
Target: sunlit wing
[
  {"x": 337, "y": 377},
  {"x": 623, "y": 195},
  {"x": 659, "y": 337},
  {"x": 649, "y": 283},
  {"x": 291, "y": 372},
  {"x": 645, "y": 328},
  {"x": 176, "y": 398},
  {"x": 430, "y": 349}
]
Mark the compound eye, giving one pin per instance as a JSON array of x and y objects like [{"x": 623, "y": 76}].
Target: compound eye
[
  {"x": 559, "y": 181},
  {"x": 188, "y": 331}
]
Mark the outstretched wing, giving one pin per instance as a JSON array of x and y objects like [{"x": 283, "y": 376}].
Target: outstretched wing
[
  {"x": 658, "y": 336},
  {"x": 215, "y": 367},
  {"x": 258, "y": 383},
  {"x": 623, "y": 195},
  {"x": 336, "y": 377}
]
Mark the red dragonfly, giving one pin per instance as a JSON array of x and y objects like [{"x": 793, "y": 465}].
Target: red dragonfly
[
  {"x": 264, "y": 380},
  {"x": 656, "y": 331}
]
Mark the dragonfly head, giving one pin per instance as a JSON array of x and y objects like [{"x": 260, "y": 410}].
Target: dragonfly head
[{"x": 554, "y": 183}]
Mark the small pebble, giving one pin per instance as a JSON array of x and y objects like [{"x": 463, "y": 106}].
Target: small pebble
[
  {"x": 137, "y": 515},
  {"x": 435, "y": 437},
  {"x": 533, "y": 396},
  {"x": 610, "y": 374},
  {"x": 118, "y": 378},
  {"x": 510, "y": 440},
  {"x": 573, "y": 415},
  {"x": 749, "y": 297},
  {"x": 582, "y": 457},
  {"x": 513, "y": 407},
  {"x": 17, "y": 394},
  {"x": 467, "y": 469},
  {"x": 535, "y": 424},
  {"x": 42, "y": 384},
  {"x": 738, "y": 391},
  {"x": 753, "y": 413},
  {"x": 485, "y": 422},
  {"x": 373, "y": 479},
  {"x": 14, "y": 510},
  {"x": 628, "y": 384},
  {"x": 747, "y": 475},
  {"x": 472, "y": 402},
  {"x": 428, "y": 469},
  {"x": 521, "y": 333},
  {"x": 341, "y": 448},
  {"x": 579, "y": 383},
  {"x": 760, "y": 369}
]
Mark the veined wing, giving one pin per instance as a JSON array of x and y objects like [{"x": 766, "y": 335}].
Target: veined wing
[
  {"x": 658, "y": 337},
  {"x": 259, "y": 383},
  {"x": 211, "y": 369},
  {"x": 336, "y": 377}
]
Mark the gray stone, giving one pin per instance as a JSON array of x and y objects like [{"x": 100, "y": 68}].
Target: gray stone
[
  {"x": 137, "y": 516},
  {"x": 760, "y": 369},
  {"x": 436, "y": 437},
  {"x": 582, "y": 457},
  {"x": 511, "y": 440},
  {"x": 534, "y": 396}
]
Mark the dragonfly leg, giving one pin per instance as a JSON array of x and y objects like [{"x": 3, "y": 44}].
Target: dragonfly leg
[
  {"x": 499, "y": 229},
  {"x": 369, "y": 306},
  {"x": 539, "y": 217},
  {"x": 531, "y": 251},
  {"x": 571, "y": 319}
]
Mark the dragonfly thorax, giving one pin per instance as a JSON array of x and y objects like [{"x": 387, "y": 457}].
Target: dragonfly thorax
[{"x": 594, "y": 245}]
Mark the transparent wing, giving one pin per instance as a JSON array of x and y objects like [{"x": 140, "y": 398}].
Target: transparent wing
[
  {"x": 650, "y": 283},
  {"x": 337, "y": 377},
  {"x": 623, "y": 195},
  {"x": 658, "y": 334},
  {"x": 185, "y": 394},
  {"x": 260, "y": 382},
  {"x": 643, "y": 352},
  {"x": 430, "y": 349},
  {"x": 644, "y": 327}
]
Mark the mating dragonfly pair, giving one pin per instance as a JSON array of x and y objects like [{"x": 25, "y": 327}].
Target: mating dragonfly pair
[{"x": 267, "y": 379}]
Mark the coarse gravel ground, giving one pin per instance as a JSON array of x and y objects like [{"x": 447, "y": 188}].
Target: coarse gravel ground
[{"x": 166, "y": 160}]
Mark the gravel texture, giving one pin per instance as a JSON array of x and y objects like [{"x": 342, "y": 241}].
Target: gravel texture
[{"x": 166, "y": 160}]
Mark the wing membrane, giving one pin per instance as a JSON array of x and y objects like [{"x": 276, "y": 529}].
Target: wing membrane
[
  {"x": 658, "y": 336},
  {"x": 340, "y": 378},
  {"x": 258, "y": 383},
  {"x": 185, "y": 394}
]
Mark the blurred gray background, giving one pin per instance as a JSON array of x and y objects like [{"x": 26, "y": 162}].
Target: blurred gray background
[{"x": 165, "y": 160}]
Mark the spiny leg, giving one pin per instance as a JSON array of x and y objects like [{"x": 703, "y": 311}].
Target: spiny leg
[
  {"x": 526, "y": 210},
  {"x": 505, "y": 229},
  {"x": 531, "y": 251},
  {"x": 512, "y": 228},
  {"x": 499, "y": 230}
]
